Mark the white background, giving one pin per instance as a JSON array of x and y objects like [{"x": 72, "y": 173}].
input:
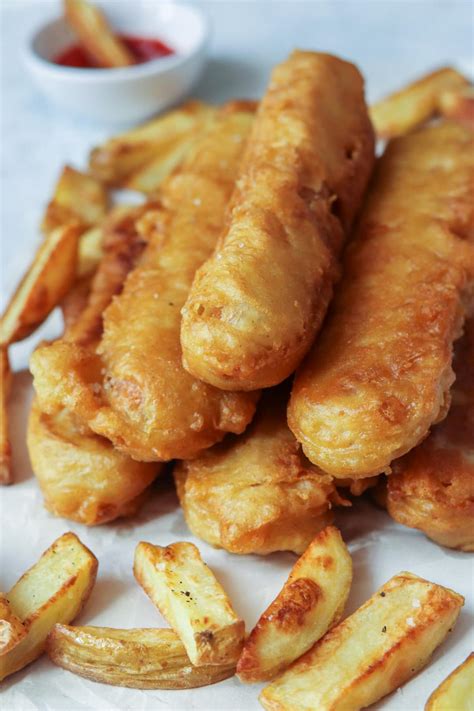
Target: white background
[{"x": 391, "y": 42}]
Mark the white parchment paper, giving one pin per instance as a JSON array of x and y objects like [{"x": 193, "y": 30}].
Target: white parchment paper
[{"x": 392, "y": 41}]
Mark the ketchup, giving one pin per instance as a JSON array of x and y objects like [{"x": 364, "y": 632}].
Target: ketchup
[{"x": 143, "y": 49}]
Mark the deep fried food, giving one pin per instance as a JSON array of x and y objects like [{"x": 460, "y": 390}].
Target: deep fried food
[
  {"x": 456, "y": 691},
  {"x": 311, "y": 601},
  {"x": 55, "y": 589},
  {"x": 95, "y": 35},
  {"x": 256, "y": 493},
  {"x": 5, "y": 447},
  {"x": 136, "y": 392},
  {"x": 12, "y": 630},
  {"x": 137, "y": 658},
  {"x": 256, "y": 305},
  {"x": 78, "y": 198},
  {"x": 81, "y": 475},
  {"x": 432, "y": 487},
  {"x": 125, "y": 160},
  {"x": 458, "y": 105},
  {"x": 46, "y": 282},
  {"x": 379, "y": 375},
  {"x": 191, "y": 599},
  {"x": 372, "y": 652},
  {"x": 399, "y": 113}
]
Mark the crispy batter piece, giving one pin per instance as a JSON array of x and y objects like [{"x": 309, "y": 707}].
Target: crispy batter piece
[
  {"x": 399, "y": 113},
  {"x": 258, "y": 302},
  {"x": 135, "y": 391},
  {"x": 82, "y": 477},
  {"x": 5, "y": 446},
  {"x": 256, "y": 493},
  {"x": 187, "y": 594},
  {"x": 432, "y": 487},
  {"x": 55, "y": 589},
  {"x": 137, "y": 658},
  {"x": 78, "y": 198},
  {"x": 372, "y": 652},
  {"x": 379, "y": 375},
  {"x": 311, "y": 601},
  {"x": 456, "y": 692},
  {"x": 90, "y": 24}
]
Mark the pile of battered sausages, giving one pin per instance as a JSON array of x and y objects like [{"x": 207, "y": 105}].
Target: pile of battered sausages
[{"x": 281, "y": 256}]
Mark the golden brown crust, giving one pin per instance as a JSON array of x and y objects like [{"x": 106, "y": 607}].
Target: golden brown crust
[
  {"x": 136, "y": 392},
  {"x": 406, "y": 109},
  {"x": 256, "y": 493},
  {"x": 432, "y": 487},
  {"x": 379, "y": 375},
  {"x": 257, "y": 304},
  {"x": 370, "y": 653},
  {"x": 81, "y": 475}
]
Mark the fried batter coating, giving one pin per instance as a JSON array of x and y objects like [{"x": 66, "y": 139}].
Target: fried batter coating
[
  {"x": 257, "y": 304},
  {"x": 81, "y": 475},
  {"x": 256, "y": 493},
  {"x": 134, "y": 390},
  {"x": 379, "y": 375},
  {"x": 432, "y": 487}
]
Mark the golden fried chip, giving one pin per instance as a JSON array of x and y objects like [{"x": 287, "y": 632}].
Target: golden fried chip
[
  {"x": 45, "y": 284},
  {"x": 90, "y": 24},
  {"x": 399, "y": 113}
]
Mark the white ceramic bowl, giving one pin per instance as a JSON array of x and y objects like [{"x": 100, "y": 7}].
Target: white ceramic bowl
[{"x": 127, "y": 94}]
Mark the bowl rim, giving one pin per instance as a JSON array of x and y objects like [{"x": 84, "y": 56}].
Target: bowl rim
[{"x": 160, "y": 65}]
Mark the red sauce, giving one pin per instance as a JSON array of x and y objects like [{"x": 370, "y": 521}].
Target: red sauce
[{"x": 143, "y": 49}]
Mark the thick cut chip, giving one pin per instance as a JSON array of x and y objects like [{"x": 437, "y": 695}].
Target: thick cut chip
[
  {"x": 311, "y": 601},
  {"x": 133, "y": 389},
  {"x": 95, "y": 35},
  {"x": 137, "y": 658},
  {"x": 399, "y": 113},
  {"x": 46, "y": 282},
  {"x": 256, "y": 493},
  {"x": 379, "y": 375},
  {"x": 54, "y": 590},
  {"x": 12, "y": 630},
  {"x": 90, "y": 252},
  {"x": 256, "y": 305},
  {"x": 155, "y": 146},
  {"x": 188, "y": 595},
  {"x": 81, "y": 475},
  {"x": 372, "y": 652},
  {"x": 432, "y": 487},
  {"x": 5, "y": 446},
  {"x": 78, "y": 197},
  {"x": 456, "y": 692}
]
